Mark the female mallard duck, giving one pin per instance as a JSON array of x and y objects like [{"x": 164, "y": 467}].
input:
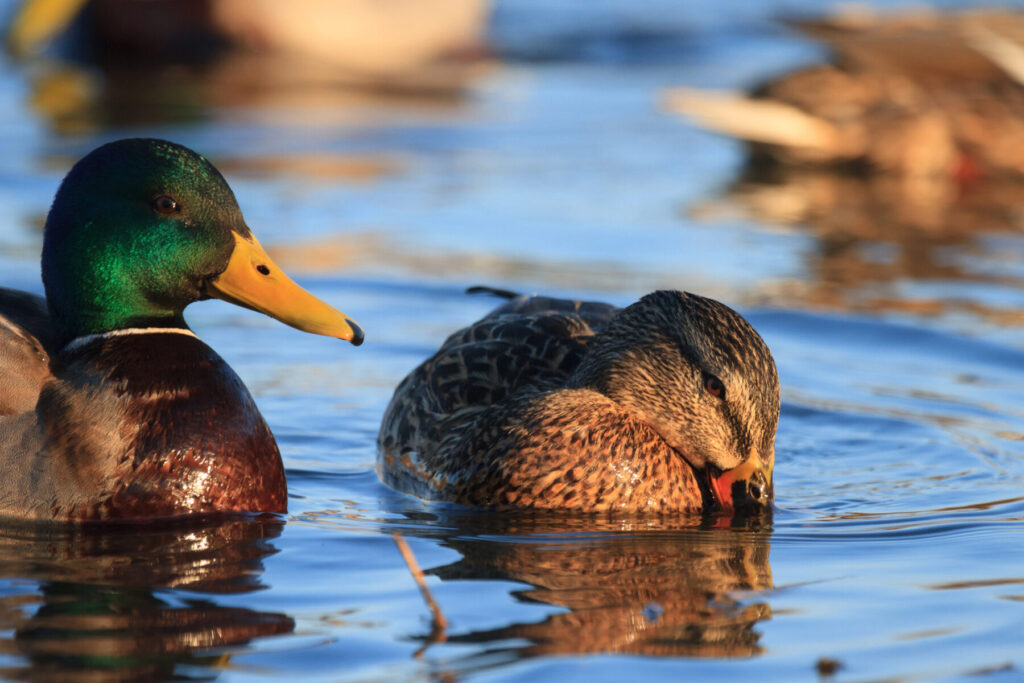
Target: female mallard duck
[
  {"x": 111, "y": 407},
  {"x": 921, "y": 94},
  {"x": 669, "y": 404}
]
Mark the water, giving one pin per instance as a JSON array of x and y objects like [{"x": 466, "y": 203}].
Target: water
[{"x": 894, "y": 552}]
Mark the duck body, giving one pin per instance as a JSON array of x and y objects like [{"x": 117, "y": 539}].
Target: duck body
[
  {"x": 920, "y": 95},
  {"x": 109, "y": 437},
  {"x": 569, "y": 449},
  {"x": 558, "y": 404},
  {"x": 111, "y": 407}
]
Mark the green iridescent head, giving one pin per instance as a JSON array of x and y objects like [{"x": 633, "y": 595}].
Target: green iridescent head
[
  {"x": 135, "y": 230},
  {"x": 141, "y": 228}
]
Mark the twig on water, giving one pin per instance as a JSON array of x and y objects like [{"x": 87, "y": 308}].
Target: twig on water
[{"x": 439, "y": 625}]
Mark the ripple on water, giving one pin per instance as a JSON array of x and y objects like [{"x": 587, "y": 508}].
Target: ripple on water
[
  {"x": 896, "y": 546},
  {"x": 880, "y": 423}
]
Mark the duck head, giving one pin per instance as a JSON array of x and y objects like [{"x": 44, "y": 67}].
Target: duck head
[
  {"x": 704, "y": 380},
  {"x": 141, "y": 228}
]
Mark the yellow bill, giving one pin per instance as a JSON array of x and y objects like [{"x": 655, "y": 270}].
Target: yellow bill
[{"x": 254, "y": 281}]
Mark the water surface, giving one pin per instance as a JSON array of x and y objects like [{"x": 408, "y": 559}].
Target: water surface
[{"x": 895, "y": 548}]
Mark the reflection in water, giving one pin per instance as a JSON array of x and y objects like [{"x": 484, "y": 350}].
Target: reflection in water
[
  {"x": 75, "y": 100},
  {"x": 644, "y": 588},
  {"x": 875, "y": 232},
  {"x": 99, "y": 616},
  {"x": 388, "y": 250}
]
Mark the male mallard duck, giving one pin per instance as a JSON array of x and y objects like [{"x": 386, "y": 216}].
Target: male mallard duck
[
  {"x": 111, "y": 407},
  {"x": 669, "y": 404}
]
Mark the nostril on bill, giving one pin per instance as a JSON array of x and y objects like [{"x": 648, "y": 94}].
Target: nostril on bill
[
  {"x": 752, "y": 492},
  {"x": 757, "y": 487}
]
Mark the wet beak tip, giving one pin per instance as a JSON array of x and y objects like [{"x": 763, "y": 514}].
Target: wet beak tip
[
  {"x": 744, "y": 486},
  {"x": 358, "y": 336}
]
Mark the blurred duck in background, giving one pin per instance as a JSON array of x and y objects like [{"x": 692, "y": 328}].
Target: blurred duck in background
[
  {"x": 907, "y": 144},
  {"x": 364, "y": 37},
  {"x": 918, "y": 94},
  {"x": 168, "y": 60}
]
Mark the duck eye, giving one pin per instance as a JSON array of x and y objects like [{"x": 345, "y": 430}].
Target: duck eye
[
  {"x": 714, "y": 386},
  {"x": 165, "y": 205}
]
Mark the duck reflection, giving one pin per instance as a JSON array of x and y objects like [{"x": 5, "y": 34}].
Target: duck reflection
[
  {"x": 635, "y": 588},
  {"x": 874, "y": 234},
  {"x": 102, "y": 611},
  {"x": 73, "y": 100}
]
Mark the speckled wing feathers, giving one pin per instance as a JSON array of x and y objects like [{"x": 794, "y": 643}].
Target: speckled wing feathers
[
  {"x": 524, "y": 343},
  {"x": 565, "y": 449},
  {"x": 487, "y": 421}
]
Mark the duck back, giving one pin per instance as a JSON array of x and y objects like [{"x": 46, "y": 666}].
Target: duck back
[
  {"x": 527, "y": 344},
  {"x": 24, "y": 360}
]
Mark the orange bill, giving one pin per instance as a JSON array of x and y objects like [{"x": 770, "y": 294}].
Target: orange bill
[
  {"x": 748, "y": 484},
  {"x": 254, "y": 281}
]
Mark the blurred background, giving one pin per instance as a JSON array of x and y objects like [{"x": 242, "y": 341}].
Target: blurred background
[
  {"x": 861, "y": 161},
  {"x": 850, "y": 176}
]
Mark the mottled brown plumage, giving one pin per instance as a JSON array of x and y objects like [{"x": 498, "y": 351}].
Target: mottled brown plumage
[
  {"x": 547, "y": 403},
  {"x": 921, "y": 94}
]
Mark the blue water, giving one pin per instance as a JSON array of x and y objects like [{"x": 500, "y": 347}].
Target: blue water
[{"x": 896, "y": 549}]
